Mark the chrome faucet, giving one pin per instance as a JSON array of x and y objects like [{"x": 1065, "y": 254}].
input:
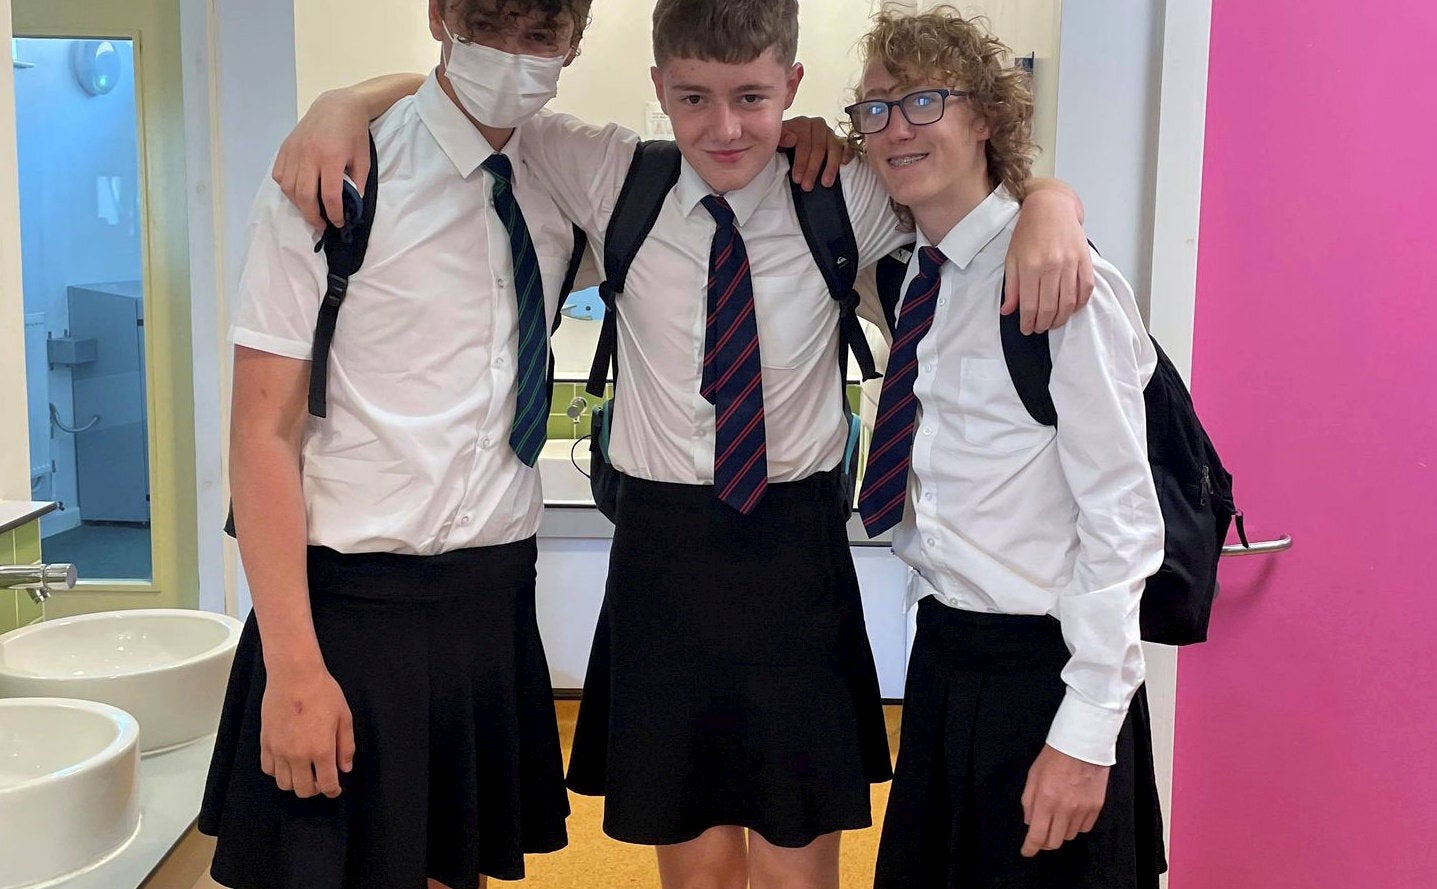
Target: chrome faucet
[
  {"x": 39, "y": 580},
  {"x": 575, "y": 411}
]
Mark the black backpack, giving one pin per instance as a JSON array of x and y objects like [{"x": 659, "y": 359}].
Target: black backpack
[
  {"x": 344, "y": 248},
  {"x": 823, "y": 217},
  {"x": 1194, "y": 490}
]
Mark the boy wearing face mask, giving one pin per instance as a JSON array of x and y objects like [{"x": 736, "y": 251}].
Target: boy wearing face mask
[{"x": 389, "y": 718}]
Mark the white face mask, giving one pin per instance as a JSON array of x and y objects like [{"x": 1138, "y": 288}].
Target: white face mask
[{"x": 499, "y": 89}]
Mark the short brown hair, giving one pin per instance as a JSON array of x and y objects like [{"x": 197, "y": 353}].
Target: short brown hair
[
  {"x": 734, "y": 32},
  {"x": 551, "y": 10},
  {"x": 942, "y": 45}
]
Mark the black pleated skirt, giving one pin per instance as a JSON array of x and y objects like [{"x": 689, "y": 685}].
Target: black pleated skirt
[
  {"x": 731, "y": 680},
  {"x": 981, "y": 695},
  {"x": 457, "y": 770}
]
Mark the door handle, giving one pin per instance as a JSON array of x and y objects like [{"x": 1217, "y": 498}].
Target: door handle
[{"x": 1261, "y": 548}]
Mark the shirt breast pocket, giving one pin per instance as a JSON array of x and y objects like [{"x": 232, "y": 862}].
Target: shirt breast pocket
[
  {"x": 991, "y": 414},
  {"x": 796, "y": 318}
]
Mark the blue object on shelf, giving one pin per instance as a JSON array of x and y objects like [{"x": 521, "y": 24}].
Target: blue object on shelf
[{"x": 584, "y": 305}]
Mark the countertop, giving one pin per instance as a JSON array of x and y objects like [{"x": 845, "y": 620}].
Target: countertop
[
  {"x": 14, "y": 513},
  {"x": 171, "y": 786},
  {"x": 578, "y": 519}
]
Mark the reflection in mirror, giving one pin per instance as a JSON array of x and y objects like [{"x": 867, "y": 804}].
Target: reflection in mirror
[{"x": 77, "y": 139}]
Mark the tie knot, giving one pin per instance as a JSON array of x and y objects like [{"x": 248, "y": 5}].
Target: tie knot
[
  {"x": 719, "y": 209},
  {"x": 930, "y": 260},
  {"x": 500, "y": 167}
]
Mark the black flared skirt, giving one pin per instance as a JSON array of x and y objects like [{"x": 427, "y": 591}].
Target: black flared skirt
[{"x": 457, "y": 770}]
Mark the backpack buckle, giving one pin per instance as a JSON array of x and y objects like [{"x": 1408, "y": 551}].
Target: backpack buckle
[{"x": 338, "y": 287}]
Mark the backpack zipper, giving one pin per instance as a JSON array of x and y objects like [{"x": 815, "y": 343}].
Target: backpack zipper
[{"x": 1206, "y": 485}]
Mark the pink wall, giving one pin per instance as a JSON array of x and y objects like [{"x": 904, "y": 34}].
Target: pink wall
[{"x": 1307, "y": 727}]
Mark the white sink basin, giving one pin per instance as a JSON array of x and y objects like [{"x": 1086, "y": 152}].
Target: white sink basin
[
  {"x": 563, "y": 483},
  {"x": 69, "y": 772},
  {"x": 167, "y": 667}
]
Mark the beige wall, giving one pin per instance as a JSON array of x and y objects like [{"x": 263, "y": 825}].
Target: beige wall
[
  {"x": 341, "y": 41},
  {"x": 14, "y": 434}
]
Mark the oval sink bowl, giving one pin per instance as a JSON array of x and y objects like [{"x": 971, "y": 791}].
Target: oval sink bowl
[
  {"x": 69, "y": 774},
  {"x": 563, "y": 483},
  {"x": 166, "y": 667}
]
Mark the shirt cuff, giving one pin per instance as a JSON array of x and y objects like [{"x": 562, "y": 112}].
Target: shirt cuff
[{"x": 1085, "y": 731}]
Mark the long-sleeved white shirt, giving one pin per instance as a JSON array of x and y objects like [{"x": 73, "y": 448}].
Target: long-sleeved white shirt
[{"x": 1005, "y": 515}]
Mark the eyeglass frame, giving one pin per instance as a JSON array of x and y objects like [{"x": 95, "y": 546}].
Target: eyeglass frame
[{"x": 943, "y": 94}]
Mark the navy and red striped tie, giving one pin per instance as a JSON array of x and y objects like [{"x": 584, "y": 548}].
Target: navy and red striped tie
[
  {"x": 885, "y": 480},
  {"x": 733, "y": 370}
]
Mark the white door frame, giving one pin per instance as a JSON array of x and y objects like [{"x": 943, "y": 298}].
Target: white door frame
[{"x": 1177, "y": 203}]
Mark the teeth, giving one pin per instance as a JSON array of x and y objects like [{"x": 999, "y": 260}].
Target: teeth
[{"x": 906, "y": 161}]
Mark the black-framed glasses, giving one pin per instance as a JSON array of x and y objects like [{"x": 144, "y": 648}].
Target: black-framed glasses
[{"x": 919, "y": 109}]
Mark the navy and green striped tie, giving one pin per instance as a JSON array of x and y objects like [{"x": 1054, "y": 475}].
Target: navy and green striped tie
[{"x": 531, "y": 408}]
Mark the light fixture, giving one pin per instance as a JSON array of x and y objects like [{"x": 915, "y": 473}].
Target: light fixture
[{"x": 96, "y": 64}]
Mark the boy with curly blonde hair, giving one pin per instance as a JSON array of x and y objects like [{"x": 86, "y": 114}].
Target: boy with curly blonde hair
[{"x": 1025, "y": 758}]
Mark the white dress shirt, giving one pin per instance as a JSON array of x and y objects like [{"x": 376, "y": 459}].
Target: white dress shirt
[
  {"x": 1005, "y": 515},
  {"x": 663, "y": 428},
  {"x": 414, "y": 456}
]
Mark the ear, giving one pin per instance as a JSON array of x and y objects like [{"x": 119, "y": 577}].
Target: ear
[
  {"x": 573, "y": 54},
  {"x": 981, "y": 131},
  {"x": 795, "y": 77},
  {"x": 436, "y": 20},
  {"x": 658, "y": 78}
]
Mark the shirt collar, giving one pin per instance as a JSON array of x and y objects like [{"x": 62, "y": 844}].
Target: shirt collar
[
  {"x": 692, "y": 189},
  {"x": 457, "y": 136},
  {"x": 976, "y": 230}
]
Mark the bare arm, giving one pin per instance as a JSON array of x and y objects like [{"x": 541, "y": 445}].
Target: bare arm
[
  {"x": 1049, "y": 261},
  {"x": 333, "y": 139},
  {"x": 306, "y": 734}
]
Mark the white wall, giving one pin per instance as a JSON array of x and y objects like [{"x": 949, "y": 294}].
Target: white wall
[
  {"x": 1109, "y": 90},
  {"x": 237, "y": 111}
]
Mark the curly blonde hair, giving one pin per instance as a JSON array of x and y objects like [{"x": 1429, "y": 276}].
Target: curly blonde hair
[{"x": 941, "y": 45}]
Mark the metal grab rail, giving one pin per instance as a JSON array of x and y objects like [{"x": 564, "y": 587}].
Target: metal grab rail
[{"x": 1261, "y": 548}]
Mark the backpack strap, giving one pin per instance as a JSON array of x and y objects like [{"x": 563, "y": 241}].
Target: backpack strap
[
  {"x": 576, "y": 259},
  {"x": 1030, "y": 365},
  {"x": 652, "y": 175},
  {"x": 823, "y": 217},
  {"x": 888, "y": 274},
  {"x": 344, "y": 250}
]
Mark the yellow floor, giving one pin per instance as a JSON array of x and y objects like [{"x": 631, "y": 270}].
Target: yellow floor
[{"x": 593, "y": 860}]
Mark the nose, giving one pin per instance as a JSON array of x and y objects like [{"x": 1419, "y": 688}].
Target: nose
[
  {"x": 726, "y": 124},
  {"x": 898, "y": 129}
]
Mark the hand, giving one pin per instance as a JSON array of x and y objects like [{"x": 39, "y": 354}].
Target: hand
[
  {"x": 331, "y": 138},
  {"x": 306, "y": 735},
  {"x": 1061, "y": 800},
  {"x": 1049, "y": 264},
  {"x": 816, "y": 150}
]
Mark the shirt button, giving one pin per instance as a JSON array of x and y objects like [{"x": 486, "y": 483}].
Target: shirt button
[
  {"x": 499, "y": 362},
  {"x": 464, "y": 520},
  {"x": 487, "y": 443},
  {"x": 928, "y": 368},
  {"x": 931, "y": 542},
  {"x": 942, "y": 300},
  {"x": 927, "y": 430},
  {"x": 928, "y": 496},
  {"x": 500, "y": 281}
]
